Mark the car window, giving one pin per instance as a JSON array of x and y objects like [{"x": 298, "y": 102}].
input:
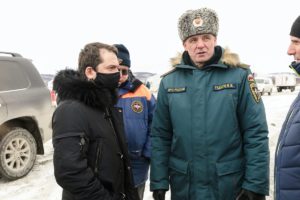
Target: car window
[{"x": 11, "y": 77}]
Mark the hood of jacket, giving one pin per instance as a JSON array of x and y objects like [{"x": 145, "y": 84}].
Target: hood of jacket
[
  {"x": 228, "y": 58},
  {"x": 69, "y": 85}
]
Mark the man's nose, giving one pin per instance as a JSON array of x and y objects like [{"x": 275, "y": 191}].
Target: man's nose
[
  {"x": 200, "y": 44},
  {"x": 291, "y": 50}
]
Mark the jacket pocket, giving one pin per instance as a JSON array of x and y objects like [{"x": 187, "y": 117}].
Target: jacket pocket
[
  {"x": 179, "y": 178},
  {"x": 230, "y": 177},
  {"x": 69, "y": 156},
  {"x": 71, "y": 138}
]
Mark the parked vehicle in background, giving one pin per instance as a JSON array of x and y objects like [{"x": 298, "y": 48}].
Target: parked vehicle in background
[
  {"x": 52, "y": 93},
  {"x": 152, "y": 83},
  {"x": 285, "y": 81},
  {"x": 264, "y": 85},
  {"x": 142, "y": 76},
  {"x": 25, "y": 115}
]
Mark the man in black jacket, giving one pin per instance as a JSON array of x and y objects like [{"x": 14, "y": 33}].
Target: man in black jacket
[{"x": 90, "y": 153}]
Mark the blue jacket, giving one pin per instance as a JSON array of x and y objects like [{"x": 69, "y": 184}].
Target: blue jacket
[
  {"x": 287, "y": 157},
  {"x": 138, "y": 105}
]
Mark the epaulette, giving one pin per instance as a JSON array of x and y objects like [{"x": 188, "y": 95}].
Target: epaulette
[
  {"x": 168, "y": 72},
  {"x": 240, "y": 65},
  {"x": 244, "y": 66}
]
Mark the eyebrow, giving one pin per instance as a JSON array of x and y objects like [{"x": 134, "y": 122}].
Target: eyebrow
[
  {"x": 295, "y": 40},
  {"x": 110, "y": 66}
]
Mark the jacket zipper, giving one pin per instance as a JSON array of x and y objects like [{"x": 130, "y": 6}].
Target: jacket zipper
[
  {"x": 98, "y": 156},
  {"x": 115, "y": 133},
  {"x": 109, "y": 118},
  {"x": 287, "y": 122}
]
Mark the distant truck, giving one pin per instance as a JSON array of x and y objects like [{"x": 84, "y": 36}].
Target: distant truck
[
  {"x": 264, "y": 85},
  {"x": 285, "y": 81},
  {"x": 153, "y": 82}
]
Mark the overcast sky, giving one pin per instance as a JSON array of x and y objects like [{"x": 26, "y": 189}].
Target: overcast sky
[{"x": 52, "y": 32}]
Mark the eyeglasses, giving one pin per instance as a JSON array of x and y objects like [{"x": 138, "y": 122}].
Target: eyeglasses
[{"x": 123, "y": 72}]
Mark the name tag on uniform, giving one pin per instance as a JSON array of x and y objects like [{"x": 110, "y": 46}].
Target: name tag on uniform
[
  {"x": 176, "y": 90},
  {"x": 224, "y": 86}
]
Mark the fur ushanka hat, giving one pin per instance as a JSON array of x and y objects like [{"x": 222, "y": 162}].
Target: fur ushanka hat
[{"x": 200, "y": 21}]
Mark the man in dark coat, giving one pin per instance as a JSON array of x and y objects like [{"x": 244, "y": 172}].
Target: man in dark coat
[
  {"x": 287, "y": 156},
  {"x": 90, "y": 153}
]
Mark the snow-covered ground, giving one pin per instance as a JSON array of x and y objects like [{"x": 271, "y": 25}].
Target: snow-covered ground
[{"x": 40, "y": 183}]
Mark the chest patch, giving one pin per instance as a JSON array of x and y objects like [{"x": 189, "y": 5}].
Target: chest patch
[
  {"x": 253, "y": 88},
  {"x": 176, "y": 90},
  {"x": 137, "y": 106},
  {"x": 224, "y": 86}
]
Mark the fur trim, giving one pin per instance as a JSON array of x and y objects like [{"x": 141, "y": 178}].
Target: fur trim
[
  {"x": 228, "y": 58},
  {"x": 232, "y": 59},
  {"x": 177, "y": 59},
  {"x": 69, "y": 85}
]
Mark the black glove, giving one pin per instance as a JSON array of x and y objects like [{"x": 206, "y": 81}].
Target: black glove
[
  {"x": 248, "y": 195},
  {"x": 159, "y": 194}
]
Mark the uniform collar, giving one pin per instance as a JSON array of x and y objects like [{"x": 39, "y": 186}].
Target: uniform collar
[
  {"x": 215, "y": 61},
  {"x": 125, "y": 88},
  {"x": 129, "y": 86}
]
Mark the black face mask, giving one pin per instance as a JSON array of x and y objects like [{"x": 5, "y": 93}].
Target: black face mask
[
  {"x": 110, "y": 81},
  {"x": 296, "y": 67}
]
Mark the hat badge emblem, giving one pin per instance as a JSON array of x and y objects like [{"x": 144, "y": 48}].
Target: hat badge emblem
[{"x": 197, "y": 22}]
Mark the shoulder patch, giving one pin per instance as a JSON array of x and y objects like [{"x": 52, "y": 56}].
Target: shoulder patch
[{"x": 253, "y": 88}]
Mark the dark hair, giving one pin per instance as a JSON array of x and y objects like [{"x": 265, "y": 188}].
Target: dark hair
[{"x": 90, "y": 56}]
